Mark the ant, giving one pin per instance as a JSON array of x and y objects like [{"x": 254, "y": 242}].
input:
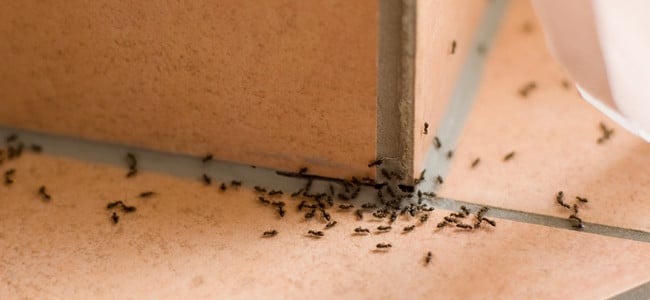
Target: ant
[
  {"x": 409, "y": 228},
  {"x": 361, "y": 230},
  {"x": 426, "y": 128},
  {"x": 476, "y": 162},
  {"x": 274, "y": 192},
  {"x": 436, "y": 142},
  {"x": 270, "y": 233},
  {"x": 383, "y": 228},
  {"x": 424, "y": 218},
  {"x": 427, "y": 259},
  {"x": 491, "y": 222},
  {"x": 453, "y": 47},
  {"x": 509, "y": 156},
  {"x": 374, "y": 163},
  {"x": 560, "y": 200},
  {"x": 297, "y": 193},
  {"x": 115, "y": 218},
  {"x": 207, "y": 158},
  {"x": 36, "y": 148},
  {"x": 464, "y": 226},
  {"x": 206, "y": 179},
  {"x": 43, "y": 193},
  {"x": 330, "y": 224},
  {"x": 146, "y": 194},
  {"x": 315, "y": 233},
  {"x": 326, "y": 215},
  {"x": 310, "y": 214},
  {"x": 384, "y": 246},
  {"x": 263, "y": 200}
]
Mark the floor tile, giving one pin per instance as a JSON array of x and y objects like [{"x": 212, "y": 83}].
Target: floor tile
[
  {"x": 553, "y": 133},
  {"x": 194, "y": 241}
]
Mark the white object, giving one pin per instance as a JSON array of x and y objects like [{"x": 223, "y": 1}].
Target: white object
[{"x": 605, "y": 46}]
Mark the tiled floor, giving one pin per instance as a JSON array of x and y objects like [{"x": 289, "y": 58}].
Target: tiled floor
[
  {"x": 553, "y": 132},
  {"x": 194, "y": 241}
]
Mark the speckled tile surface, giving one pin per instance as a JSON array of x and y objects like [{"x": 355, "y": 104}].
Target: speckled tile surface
[
  {"x": 553, "y": 132},
  {"x": 194, "y": 241}
]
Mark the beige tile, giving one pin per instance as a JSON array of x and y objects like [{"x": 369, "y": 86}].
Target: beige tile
[
  {"x": 553, "y": 132},
  {"x": 192, "y": 241}
]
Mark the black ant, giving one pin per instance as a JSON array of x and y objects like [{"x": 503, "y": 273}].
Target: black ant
[
  {"x": 263, "y": 200},
  {"x": 427, "y": 259},
  {"x": 330, "y": 224},
  {"x": 361, "y": 230},
  {"x": 274, "y": 192},
  {"x": 296, "y": 193},
  {"x": 426, "y": 128},
  {"x": 43, "y": 193},
  {"x": 384, "y": 246},
  {"x": 464, "y": 226},
  {"x": 436, "y": 142},
  {"x": 383, "y": 228},
  {"x": 476, "y": 162},
  {"x": 147, "y": 194},
  {"x": 207, "y": 158},
  {"x": 36, "y": 148},
  {"x": 11, "y": 138},
  {"x": 206, "y": 179},
  {"x": 115, "y": 218},
  {"x": 424, "y": 218},
  {"x": 491, "y": 222},
  {"x": 527, "y": 88},
  {"x": 346, "y": 206},
  {"x": 315, "y": 233},
  {"x": 374, "y": 163},
  {"x": 509, "y": 156},
  {"x": 560, "y": 200},
  {"x": 326, "y": 215},
  {"x": 453, "y": 47},
  {"x": 409, "y": 228},
  {"x": 270, "y": 233}
]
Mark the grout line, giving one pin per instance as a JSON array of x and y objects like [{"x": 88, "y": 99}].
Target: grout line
[
  {"x": 546, "y": 220},
  {"x": 460, "y": 104},
  {"x": 389, "y": 60},
  {"x": 640, "y": 292},
  {"x": 187, "y": 166}
]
